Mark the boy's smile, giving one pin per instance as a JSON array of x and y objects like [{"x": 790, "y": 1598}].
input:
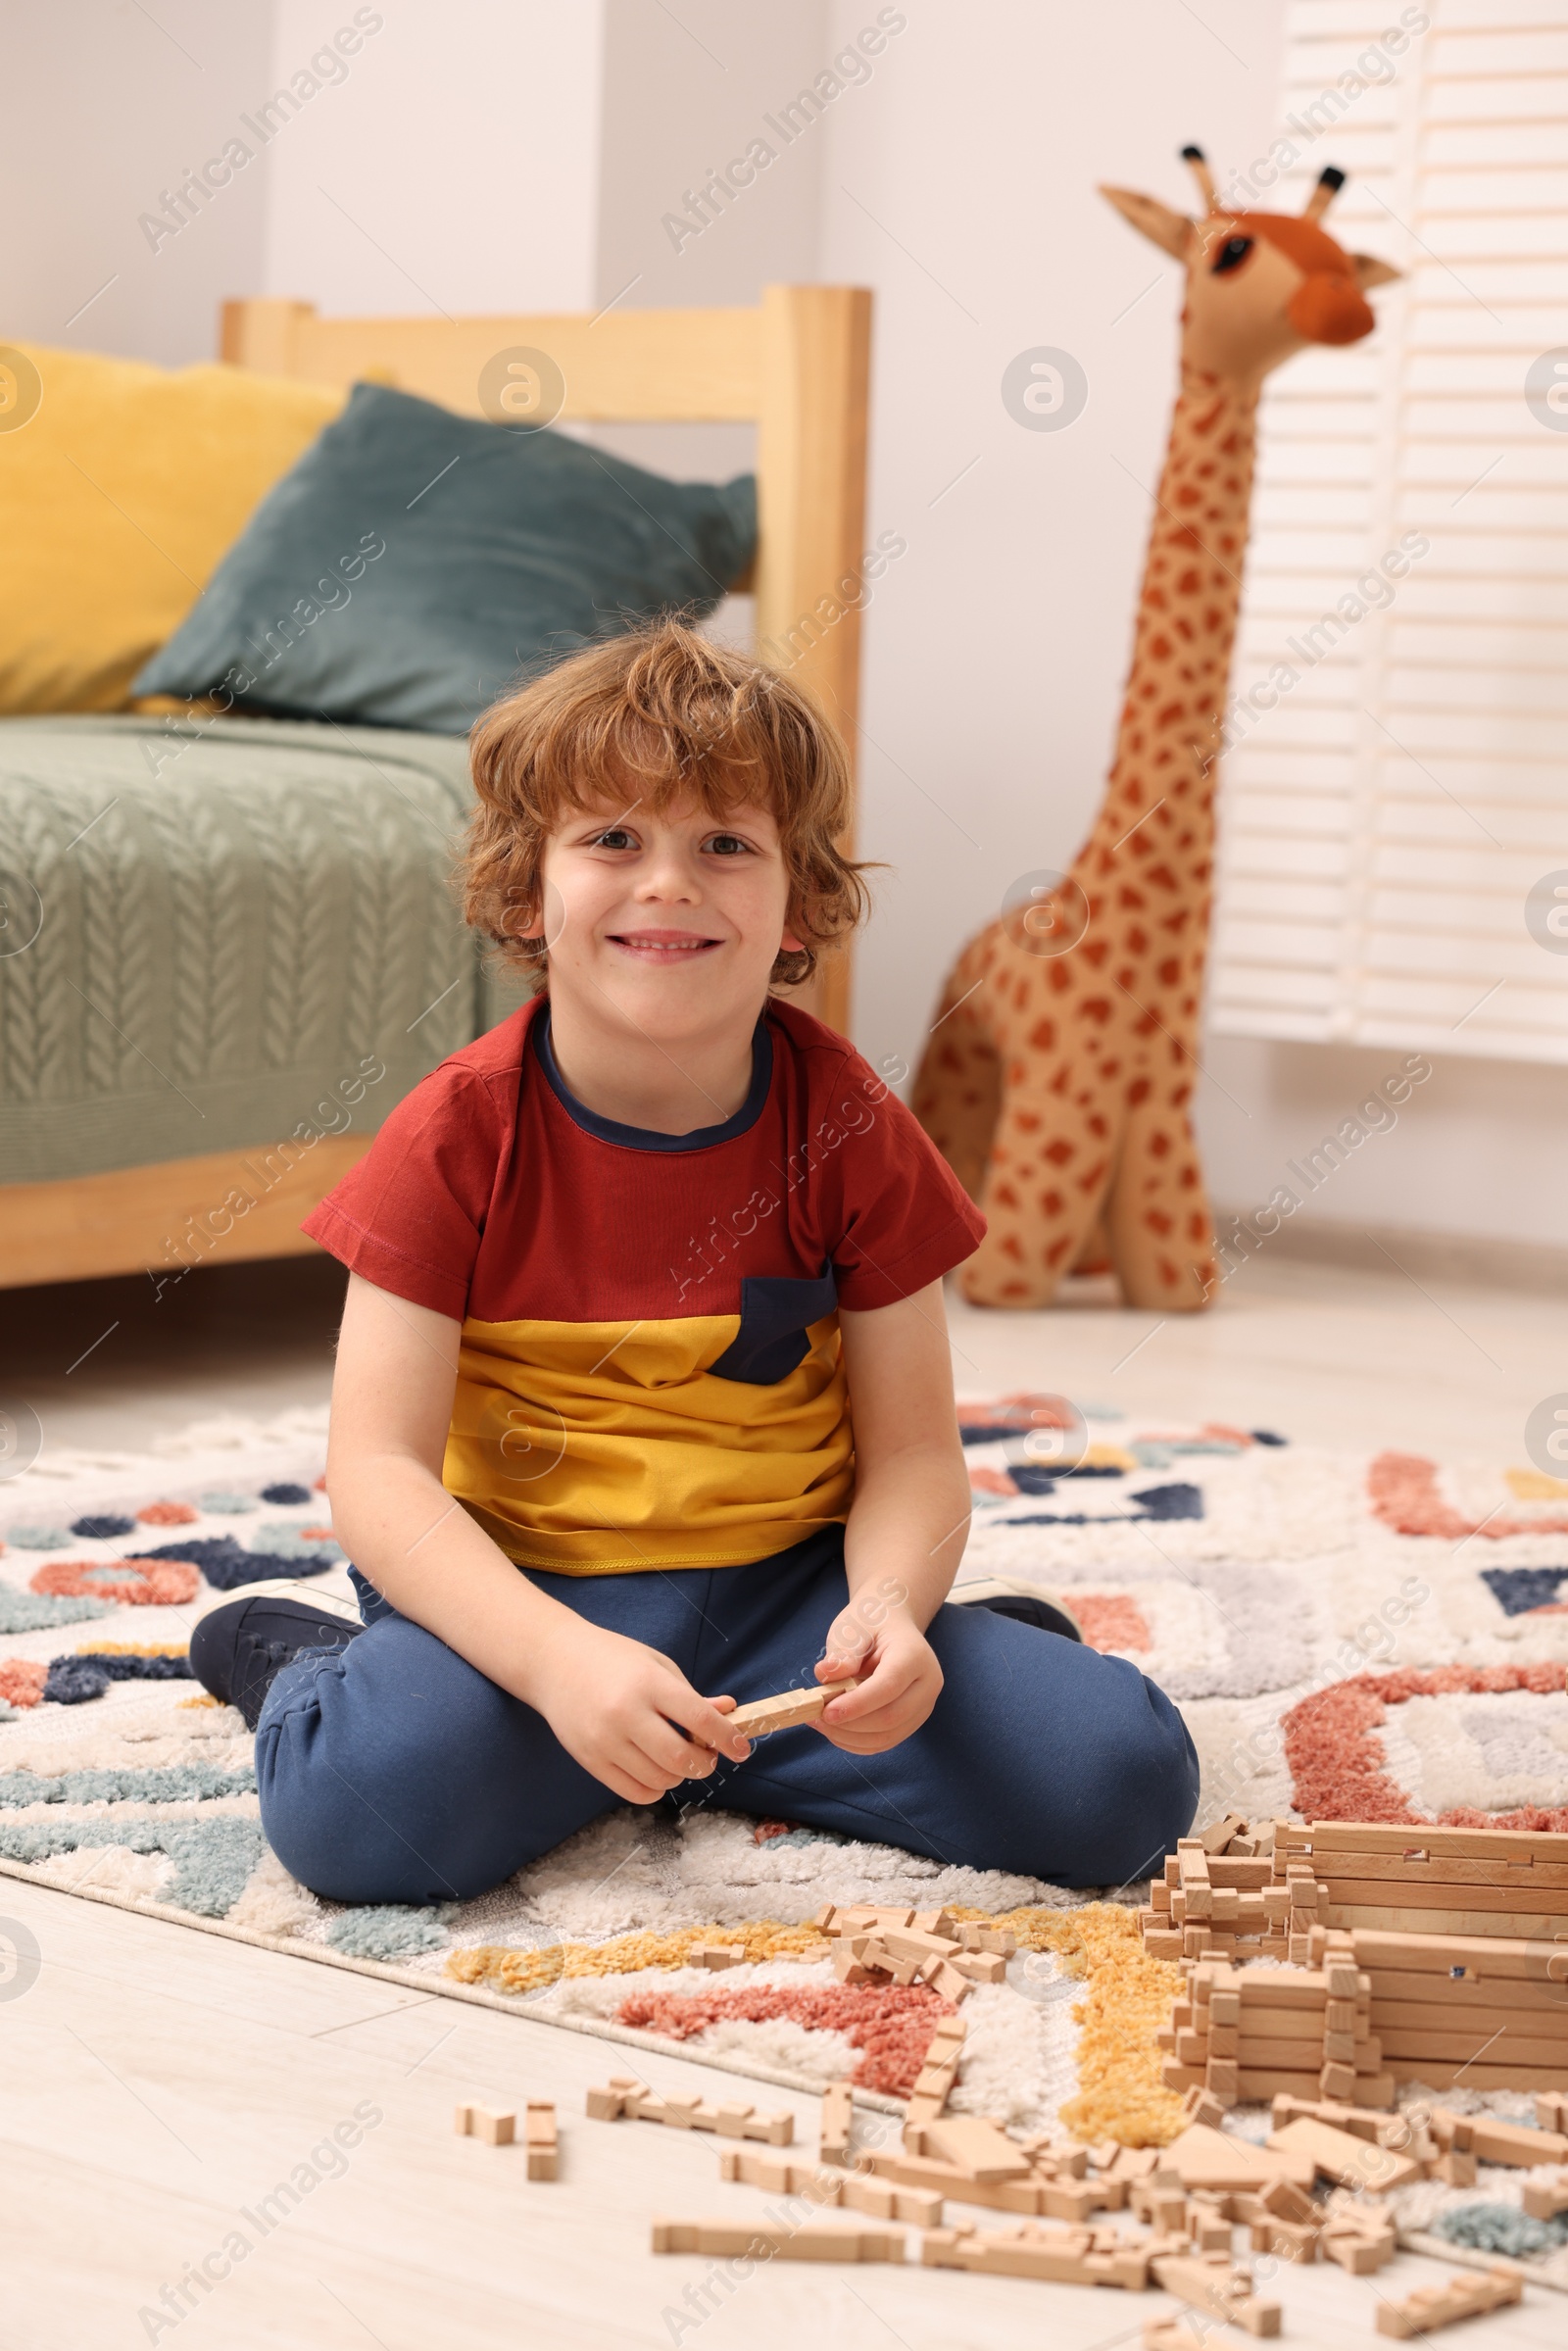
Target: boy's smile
[{"x": 662, "y": 945}]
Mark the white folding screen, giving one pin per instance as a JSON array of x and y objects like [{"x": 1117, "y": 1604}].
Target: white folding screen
[{"x": 1394, "y": 854}]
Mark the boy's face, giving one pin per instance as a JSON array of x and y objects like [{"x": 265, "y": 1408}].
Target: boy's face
[{"x": 672, "y": 919}]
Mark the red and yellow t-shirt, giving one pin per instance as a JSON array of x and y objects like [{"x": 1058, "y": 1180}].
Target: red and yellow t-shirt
[{"x": 651, "y": 1373}]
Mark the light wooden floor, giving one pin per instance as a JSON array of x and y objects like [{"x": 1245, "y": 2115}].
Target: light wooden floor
[{"x": 155, "y": 2083}]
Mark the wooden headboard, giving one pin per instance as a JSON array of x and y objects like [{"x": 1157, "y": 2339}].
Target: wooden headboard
[{"x": 797, "y": 366}]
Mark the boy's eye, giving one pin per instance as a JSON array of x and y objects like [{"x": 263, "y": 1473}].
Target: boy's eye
[
  {"x": 616, "y": 837},
  {"x": 728, "y": 845}
]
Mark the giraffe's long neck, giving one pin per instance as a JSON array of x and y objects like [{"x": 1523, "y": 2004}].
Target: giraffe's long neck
[{"x": 1157, "y": 816}]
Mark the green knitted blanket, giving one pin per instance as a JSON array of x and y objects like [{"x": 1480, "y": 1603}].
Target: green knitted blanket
[{"x": 215, "y": 935}]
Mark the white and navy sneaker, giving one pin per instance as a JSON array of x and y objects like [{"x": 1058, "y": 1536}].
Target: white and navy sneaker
[
  {"x": 239, "y": 1647},
  {"x": 1026, "y": 1602}
]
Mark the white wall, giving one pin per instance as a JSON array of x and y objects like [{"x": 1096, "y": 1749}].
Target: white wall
[
  {"x": 105, "y": 110},
  {"x": 684, "y": 93},
  {"x": 455, "y": 168}
]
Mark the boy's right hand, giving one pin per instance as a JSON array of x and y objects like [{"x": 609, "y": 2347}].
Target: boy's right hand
[{"x": 613, "y": 1704}]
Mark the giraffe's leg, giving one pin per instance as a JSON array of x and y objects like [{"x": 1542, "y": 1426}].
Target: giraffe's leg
[
  {"x": 1042, "y": 1197},
  {"x": 1157, "y": 1215},
  {"x": 1095, "y": 1256},
  {"x": 958, "y": 1091}
]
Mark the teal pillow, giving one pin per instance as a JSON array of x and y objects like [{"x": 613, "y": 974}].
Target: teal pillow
[{"x": 414, "y": 564}]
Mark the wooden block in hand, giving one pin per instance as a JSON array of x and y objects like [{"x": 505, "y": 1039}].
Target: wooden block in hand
[{"x": 790, "y": 1707}]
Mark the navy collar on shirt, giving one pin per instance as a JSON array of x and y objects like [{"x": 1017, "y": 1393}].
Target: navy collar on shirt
[{"x": 646, "y": 1139}]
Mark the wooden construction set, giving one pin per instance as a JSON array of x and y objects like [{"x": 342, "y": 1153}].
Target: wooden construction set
[
  {"x": 1307, "y": 1985},
  {"x": 1415, "y": 1955}
]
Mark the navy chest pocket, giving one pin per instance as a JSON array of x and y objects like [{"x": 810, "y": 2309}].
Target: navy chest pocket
[{"x": 775, "y": 1316}]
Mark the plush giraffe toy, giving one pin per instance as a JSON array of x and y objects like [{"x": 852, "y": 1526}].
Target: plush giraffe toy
[{"x": 1061, "y": 1059}]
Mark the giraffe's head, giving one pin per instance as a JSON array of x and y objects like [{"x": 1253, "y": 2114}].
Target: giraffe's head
[{"x": 1259, "y": 285}]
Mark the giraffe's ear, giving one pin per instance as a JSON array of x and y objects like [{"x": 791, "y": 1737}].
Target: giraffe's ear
[
  {"x": 1171, "y": 230},
  {"x": 1371, "y": 273}
]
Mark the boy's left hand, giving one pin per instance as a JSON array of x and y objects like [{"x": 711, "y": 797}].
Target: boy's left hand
[{"x": 900, "y": 1682}]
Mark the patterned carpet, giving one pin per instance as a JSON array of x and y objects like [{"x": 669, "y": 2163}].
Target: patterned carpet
[{"x": 1380, "y": 1636}]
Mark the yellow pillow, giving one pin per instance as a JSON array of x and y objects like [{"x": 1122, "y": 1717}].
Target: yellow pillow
[{"x": 120, "y": 486}]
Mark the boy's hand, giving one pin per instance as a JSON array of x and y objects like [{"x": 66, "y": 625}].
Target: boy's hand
[
  {"x": 613, "y": 1704},
  {"x": 902, "y": 1682}
]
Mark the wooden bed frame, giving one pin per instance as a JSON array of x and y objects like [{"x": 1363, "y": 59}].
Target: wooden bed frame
[{"x": 797, "y": 366}]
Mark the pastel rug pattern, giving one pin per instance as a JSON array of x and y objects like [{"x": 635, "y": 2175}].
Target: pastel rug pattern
[{"x": 1381, "y": 1635}]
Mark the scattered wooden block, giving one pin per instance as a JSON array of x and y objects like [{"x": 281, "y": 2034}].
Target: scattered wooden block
[
  {"x": 885, "y": 2200},
  {"x": 540, "y": 2139},
  {"x": 821, "y": 2183},
  {"x": 627, "y": 2098},
  {"x": 778, "y": 2240},
  {"x": 496, "y": 2125},
  {"x": 1482, "y": 2135},
  {"x": 980, "y": 1967},
  {"x": 1469, "y": 2295},
  {"x": 1023, "y": 2196},
  {"x": 837, "y": 2112},
  {"x": 1552, "y": 2110},
  {"x": 1198, "y": 2107},
  {"x": 715, "y": 1955},
  {"x": 1358, "y": 2241},
  {"x": 1543, "y": 2199},
  {"x": 977, "y": 2147},
  {"x": 790, "y": 1707},
  {"x": 1202, "y": 2157},
  {"x": 1288, "y": 2241},
  {"x": 1288, "y": 2203},
  {"x": 943, "y": 1923},
  {"x": 1348, "y": 2160},
  {"x": 1161, "y": 2201},
  {"x": 1175, "y": 2334},
  {"x": 1224, "y": 2290},
  {"x": 847, "y": 1966},
  {"x": 609, "y": 2104},
  {"x": 973, "y": 1937},
  {"x": 1060, "y": 2257}
]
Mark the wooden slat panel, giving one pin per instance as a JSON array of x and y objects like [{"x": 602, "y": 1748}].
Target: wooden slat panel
[{"x": 1419, "y": 753}]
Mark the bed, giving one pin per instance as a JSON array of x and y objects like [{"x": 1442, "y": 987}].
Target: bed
[{"x": 228, "y": 947}]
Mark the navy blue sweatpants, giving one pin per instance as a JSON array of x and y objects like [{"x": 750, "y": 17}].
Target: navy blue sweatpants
[{"x": 391, "y": 1771}]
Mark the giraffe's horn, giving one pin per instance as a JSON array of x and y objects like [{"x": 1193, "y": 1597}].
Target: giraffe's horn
[
  {"x": 1195, "y": 157},
  {"x": 1329, "y": 183}
]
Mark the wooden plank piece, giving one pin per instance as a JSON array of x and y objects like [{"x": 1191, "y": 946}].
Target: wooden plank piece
[
  {"x": 811, "y": 2240},
  {"x": 790, "y": 1708},
  {"x": 1348, "y": 2160},
  {"x": 977, "y": 2147},
  {"x": 1469, "y": 2295}
]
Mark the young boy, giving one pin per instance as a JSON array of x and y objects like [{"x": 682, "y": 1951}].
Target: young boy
[{"x": 644, "y": 1403}]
